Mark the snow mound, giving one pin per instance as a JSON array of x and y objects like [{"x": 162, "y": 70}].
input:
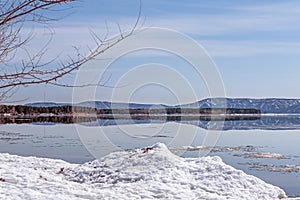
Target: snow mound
[{"x": 147, "y": 173}]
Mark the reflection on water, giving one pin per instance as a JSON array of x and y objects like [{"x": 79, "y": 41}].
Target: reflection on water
[
  {"x": 267, "y": 147},
  {"x": 275, "y": 122},
  {"x": 51, "y": 141},
  {"x": 247, "y": 122}
]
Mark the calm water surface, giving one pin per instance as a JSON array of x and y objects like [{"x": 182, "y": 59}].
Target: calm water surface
[{"x": 77, "y": 143}]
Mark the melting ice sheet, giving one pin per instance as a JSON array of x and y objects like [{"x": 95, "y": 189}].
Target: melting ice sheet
[{"x": 147, "y": 173}]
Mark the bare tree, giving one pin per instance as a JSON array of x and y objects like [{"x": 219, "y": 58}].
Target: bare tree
[{"x": 14, "y": 14}]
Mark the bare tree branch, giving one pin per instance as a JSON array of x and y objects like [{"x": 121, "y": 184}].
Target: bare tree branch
[{"x": 13, "y": 15}]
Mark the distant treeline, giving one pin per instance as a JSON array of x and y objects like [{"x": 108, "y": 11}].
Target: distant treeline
[
  {"x": 229, "y": 111},
  {"x": 20, "y": 110},
  {"x": 56, "y": 110},
  {"x": 178, "y": 111},
  {"x": 49, "y": 119}
]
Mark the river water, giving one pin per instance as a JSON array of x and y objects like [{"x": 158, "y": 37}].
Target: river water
[{"x": 267, "y": 148}]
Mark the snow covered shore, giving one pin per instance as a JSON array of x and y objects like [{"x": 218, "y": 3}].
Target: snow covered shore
[{"x": 148, "y": 173}]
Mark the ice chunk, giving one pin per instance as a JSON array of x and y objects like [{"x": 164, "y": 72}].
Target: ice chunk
[{"x": 147, "y": 173}]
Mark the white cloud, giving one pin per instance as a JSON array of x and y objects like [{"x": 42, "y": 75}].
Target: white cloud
[
  {"x": 240, "y": 22},
  {"x": 220, "y": 25},
  {"x": 249, "y": 48},
  {"x": 233, "y": 20}
]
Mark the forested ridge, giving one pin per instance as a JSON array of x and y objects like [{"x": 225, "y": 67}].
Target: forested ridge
[{"x": 68, "y": 109}]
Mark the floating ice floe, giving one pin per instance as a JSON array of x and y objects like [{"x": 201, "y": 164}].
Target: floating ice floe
[
  {"x": 147, "y": 173},
  {"x": 261, "y": 155},
  {"x": 274, "y": 168},
  {"x": 215, "y": 149}
]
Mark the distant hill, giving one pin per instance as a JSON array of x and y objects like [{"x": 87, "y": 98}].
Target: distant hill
[
  {"x": 46, "y": 104},
  {"x": 109, "y": 105},
  {"x": 98, "y": 105},
  {"x": 270, "y": 105}
]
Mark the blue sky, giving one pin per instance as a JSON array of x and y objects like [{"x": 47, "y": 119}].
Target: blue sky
[{"x": 254, "y": 44}]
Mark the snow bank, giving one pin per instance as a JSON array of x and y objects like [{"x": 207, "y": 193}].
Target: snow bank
[{"x": 147, "y": 173}]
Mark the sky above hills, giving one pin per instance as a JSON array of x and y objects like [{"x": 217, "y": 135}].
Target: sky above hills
[{"x": 255, "y": 46}]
